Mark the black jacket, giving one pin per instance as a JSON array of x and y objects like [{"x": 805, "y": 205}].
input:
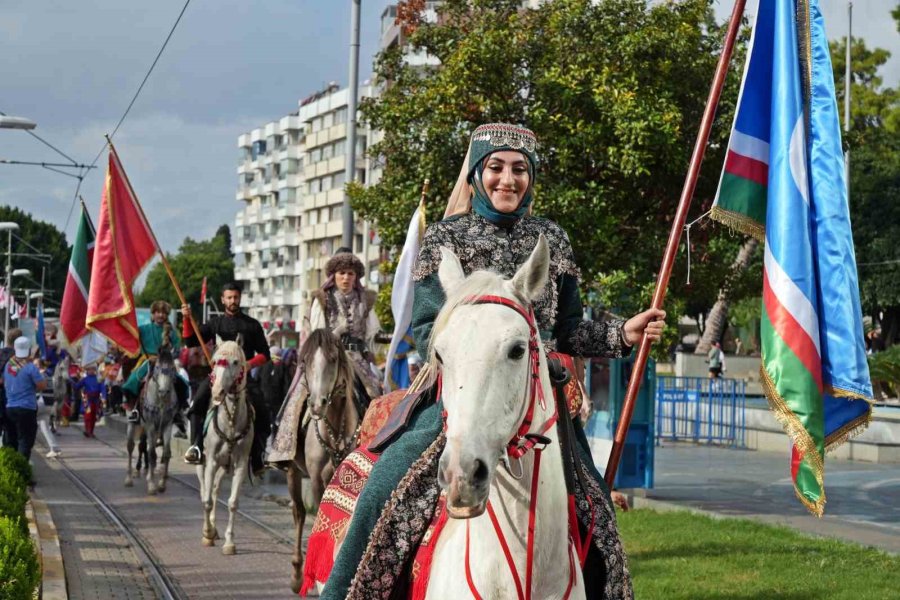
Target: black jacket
[{"x": 227, "y": 327}]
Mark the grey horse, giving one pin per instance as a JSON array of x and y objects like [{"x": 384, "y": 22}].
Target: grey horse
[{"x": 158, "y": 406}]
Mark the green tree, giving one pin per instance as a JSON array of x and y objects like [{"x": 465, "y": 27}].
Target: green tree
[
  {"x": 194, "y": 261},
  {"x": 39, "y": 237},
  {"x": 614, "y": 90},
  {"x": 874, "y": 146}
]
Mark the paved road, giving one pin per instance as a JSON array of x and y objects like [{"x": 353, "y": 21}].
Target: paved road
[
  {"x": 99, "y": 561},
  {"x": 863, "y": 499}
]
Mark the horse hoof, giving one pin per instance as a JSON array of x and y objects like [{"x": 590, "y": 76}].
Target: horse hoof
[
  {"x": 129, "y": 482},
  {"x": 151, "y": 491},
  {"x": 229, "y": 550},
  {"x": 161, "y": 489},
  {"x": 209, "y": 541},
  {"x": 295, "y": 585}
]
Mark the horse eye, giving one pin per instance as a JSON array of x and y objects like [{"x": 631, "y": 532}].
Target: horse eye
[
  {"x": 516, "y": 352},
  {"x": 234, "y": 362},
  {"x": 437, "y": 355}
]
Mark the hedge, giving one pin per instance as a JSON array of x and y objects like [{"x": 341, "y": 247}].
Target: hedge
[{"x": 19, "y": 569}]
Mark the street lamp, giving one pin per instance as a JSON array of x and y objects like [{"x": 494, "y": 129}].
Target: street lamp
[
  {"x": 9, "y": 227},
  {"x": 28, "y": 298},
  {"x": 7, "y": 122}
]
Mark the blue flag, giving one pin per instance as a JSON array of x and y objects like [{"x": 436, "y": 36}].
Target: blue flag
[{"x": 41, "y": 341}]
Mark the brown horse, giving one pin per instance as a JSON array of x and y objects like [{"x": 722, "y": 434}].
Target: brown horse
[{"x": 319, "y": 426}]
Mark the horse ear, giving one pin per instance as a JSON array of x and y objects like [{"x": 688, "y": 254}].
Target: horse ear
[
  {"x": 530, "y": 279},
  {"x": 219, "y": 340},
  {"x": 450, "y": 272},
  {"x": 239, "y": 340}
]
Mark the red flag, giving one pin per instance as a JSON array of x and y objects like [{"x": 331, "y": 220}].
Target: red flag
[
  {"x": 124, "y": 246},
  {"x": 203, "y": 293},
  {"x": 73, "y": 312}
]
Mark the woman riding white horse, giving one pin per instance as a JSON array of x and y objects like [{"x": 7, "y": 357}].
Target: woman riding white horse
[{"x": 488, "y": 226}]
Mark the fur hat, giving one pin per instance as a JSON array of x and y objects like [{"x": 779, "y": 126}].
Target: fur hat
[{"x": 344, "y": 261}]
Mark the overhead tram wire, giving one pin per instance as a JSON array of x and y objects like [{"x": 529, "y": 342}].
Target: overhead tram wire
[
  {"x": 146, "y": 77},
  {"x": 127, "y": 110}
]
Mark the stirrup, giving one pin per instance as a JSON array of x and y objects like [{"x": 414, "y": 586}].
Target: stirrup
[
  {"x": 134, "y": 416},
  {"x": 193, "y": 456}
]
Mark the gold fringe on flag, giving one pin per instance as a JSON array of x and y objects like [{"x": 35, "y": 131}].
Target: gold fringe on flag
[
  {"x": 739, "y": 221},
  {"x": 801, "y": 439}
]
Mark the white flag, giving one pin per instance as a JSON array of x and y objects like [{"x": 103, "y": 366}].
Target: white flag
[{"x": 402, "y": 292}]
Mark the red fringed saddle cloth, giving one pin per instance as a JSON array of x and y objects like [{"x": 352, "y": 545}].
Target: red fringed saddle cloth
[
  {"x": 341, "y": 495},
  {"x": 334, "y": 516}
]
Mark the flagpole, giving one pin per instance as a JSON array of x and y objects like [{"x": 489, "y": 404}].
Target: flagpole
[
  {"x": 162, "y": 255},
  {"x": 684, "y": 204}
]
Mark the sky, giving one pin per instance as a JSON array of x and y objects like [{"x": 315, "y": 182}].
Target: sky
[{"x": 231, "y": 66}]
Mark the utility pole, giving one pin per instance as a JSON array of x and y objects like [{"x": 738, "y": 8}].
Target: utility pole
[
  {"x": 350, "y": 170},
  {"x": 848, "y": 78}
]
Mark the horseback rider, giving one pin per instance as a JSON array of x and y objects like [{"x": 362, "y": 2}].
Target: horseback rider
[
  {"x": 228, "y": 326},
  {"x": 343, "y": 306},
  {"x": 488, "y": 224},
  {"x": 158, "y": 332}
]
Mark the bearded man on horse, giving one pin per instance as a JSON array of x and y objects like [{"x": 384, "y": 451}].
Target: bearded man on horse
[
  {"x": 232, "y": 325},
  {"x": 488, "y": 225},
  {"x": 158, "y": 332}
]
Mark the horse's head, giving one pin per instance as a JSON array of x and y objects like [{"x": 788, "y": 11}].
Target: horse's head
[
  {"x": 164, "y": 372},
  {"x": 483, "y": 348},
  {"x": 326, "y": 370},
  {"x": 228, "y": 368}
]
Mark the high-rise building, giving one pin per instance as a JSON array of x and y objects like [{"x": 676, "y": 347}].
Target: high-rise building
[{"x": 291, "y": 175}]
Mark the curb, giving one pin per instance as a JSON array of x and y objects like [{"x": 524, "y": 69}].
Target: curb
[{"x": 43, "y": 532}]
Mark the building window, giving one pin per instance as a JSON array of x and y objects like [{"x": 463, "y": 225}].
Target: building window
[
  {"x": 340, "y": 115},
  {"x": 258, "y": 149},
  {"x": 357, "y": 243},
  {"x": 326, "y": 183}
]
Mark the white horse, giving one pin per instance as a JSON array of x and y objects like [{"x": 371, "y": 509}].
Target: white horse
[
  {"x": 227, "y": 444},
  {"x": 60, "y": 390},
  {"x": 487, "y": 349}
]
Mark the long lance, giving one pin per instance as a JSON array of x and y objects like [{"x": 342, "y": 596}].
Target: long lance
[
  {"x": 165, "y": 261},
  {"x": 684, "y": 204}
]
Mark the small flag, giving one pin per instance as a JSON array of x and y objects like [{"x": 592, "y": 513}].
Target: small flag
[
  {"x": 402, "y": 301},
  {"x": 41, "y": 341},
  {"x": 125, "y": 245},
  {"x": 73, "y": 312},
  {"x": 783, "y": 182},
  {"x": 203, "y": 293}
]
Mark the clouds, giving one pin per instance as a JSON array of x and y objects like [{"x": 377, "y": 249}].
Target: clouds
[{"x": 231, "y": 66}]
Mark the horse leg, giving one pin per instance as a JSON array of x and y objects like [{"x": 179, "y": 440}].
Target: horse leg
[
  {"x": 295, "y": 480},
  {"x": 129, "y": 445},
  {"x": 237, "y": 479},
  {"x": 210, "y": 487},
  {"x": 142, "y": 451},
  {"x": 151, "y": 462},
  {"x": 166, "y": 455}
]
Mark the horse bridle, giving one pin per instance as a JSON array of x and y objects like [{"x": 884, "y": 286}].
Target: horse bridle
[{"x": 337, "y": 449}]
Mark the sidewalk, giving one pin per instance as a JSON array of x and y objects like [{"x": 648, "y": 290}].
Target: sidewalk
[{"x": 863, "y": 499}]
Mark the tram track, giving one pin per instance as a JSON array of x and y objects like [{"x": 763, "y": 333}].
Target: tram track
[
  {"x": 279, "y": 536},
  {"x": 165, "y": 585}
]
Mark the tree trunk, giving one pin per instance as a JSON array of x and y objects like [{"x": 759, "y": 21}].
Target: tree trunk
[{"x": 718, "y": 315}]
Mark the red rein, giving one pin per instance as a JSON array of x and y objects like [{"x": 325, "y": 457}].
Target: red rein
[{"x": 522, "y": 442}]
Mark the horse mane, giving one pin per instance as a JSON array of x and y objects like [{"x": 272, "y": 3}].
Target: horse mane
[
  {"x": 334, "y": 352},
  {"x": 479, "y": 283}
]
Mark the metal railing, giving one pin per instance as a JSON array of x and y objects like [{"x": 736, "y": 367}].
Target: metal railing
[{"x": 700, "y": 409}]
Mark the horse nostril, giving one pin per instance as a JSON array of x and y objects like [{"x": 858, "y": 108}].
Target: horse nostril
[{"x": 480, "y": 475}]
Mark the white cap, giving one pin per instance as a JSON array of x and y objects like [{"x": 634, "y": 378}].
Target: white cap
[
  {"x": 413, "y": 358},
  {"x": 22, "y": 346}
]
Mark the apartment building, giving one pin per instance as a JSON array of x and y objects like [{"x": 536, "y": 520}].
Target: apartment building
[
  {"x": 291, "y": 175},
  {"x": 325, "y": 119}
]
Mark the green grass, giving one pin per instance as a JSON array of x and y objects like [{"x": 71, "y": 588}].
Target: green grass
[{"x": 679, "y": 555}]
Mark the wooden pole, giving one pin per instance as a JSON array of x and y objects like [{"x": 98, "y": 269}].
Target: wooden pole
[
  {"x": 162, "y": 255},
  {"x": 684, "y": 204}
]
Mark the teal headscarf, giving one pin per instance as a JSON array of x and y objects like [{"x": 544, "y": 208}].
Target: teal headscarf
[{"x": 497, "y": 137}]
